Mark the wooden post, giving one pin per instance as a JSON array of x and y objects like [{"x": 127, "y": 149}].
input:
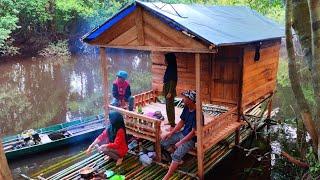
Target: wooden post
[
  {"x": 139, "y": 25},
  {"x": 4, "y": 168},
  {"x": 240, "y": 108},
  {"x": 270, "y": 107},
  {"x": 200, "y": 152},
  {"x": 158, "y": 140},
  {"x": 269, "y": 114},
  {"x": 104, "y": 71}
]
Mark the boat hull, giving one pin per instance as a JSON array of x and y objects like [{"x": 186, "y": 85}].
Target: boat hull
[
  {"x": 11, "y": 155},
  {"x": 89, "y": 128}
]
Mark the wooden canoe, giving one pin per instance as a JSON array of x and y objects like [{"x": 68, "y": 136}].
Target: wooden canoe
[{"x": 54, "y": 136}]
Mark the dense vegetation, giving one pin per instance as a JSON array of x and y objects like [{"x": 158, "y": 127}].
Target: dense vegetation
[{"x": 36, "y": 23}]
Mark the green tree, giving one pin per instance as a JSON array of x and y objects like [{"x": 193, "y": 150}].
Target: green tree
[
  {"x": 308, "y": 32},
  {"x": 44, "y": 21},
  {"x": 8, "y": 23}
]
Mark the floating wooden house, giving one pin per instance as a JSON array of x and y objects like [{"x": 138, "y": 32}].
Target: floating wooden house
[{"x": 229, "y": 55}]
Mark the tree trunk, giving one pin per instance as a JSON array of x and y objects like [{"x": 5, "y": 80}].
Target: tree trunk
[
  {"x": 301, "y": 139},
  {"x": 296, "y": 82},
  {"x": 301, "y": 25},
  {"x": 51, "y": 24},
  {"x": 294, "y": 160},
  {"x": 4, "y": 169},
  {"x": 314, "y": 8}
]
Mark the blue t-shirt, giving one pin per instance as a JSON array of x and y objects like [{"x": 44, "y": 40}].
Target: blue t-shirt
[{"x": 189, "y": 119}]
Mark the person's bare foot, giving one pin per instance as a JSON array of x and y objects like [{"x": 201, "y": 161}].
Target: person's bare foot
[
  {"x": 106, "y": 158},
  {"x": 119, "y": 162}
]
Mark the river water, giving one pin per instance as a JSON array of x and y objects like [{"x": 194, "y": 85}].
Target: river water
[{"x": 38, "y": 92}]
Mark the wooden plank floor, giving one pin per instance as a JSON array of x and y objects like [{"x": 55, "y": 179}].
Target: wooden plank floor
[{"x": 151, "y": 108}]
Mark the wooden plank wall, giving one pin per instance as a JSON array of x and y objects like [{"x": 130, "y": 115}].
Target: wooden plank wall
[
  {"x": 122, "y": 33},
  {"x": 225, "y": 79},
  {"x": 259, "y": 78},
  {"x": 219, "y": 74},
  {"x": 140, "y": 28},
  {"x": 158, "y": 33},
  {"x": 186, "y": 73}
]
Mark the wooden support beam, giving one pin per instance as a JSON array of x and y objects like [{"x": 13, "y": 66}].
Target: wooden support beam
[
  {"x": 269, "y": 114},
  {"x": 161, "y": 49},
  {"x": 270, "y": 107},
  {"x": 200, "y": 152},
  {"x": 211, "y": 68},
  {"x": 4, "y": 168},
  {"x": 157, "y": 144},
  {"x": 139, "y": 25},
  {"x": 105, "y": 71},
  {"x": 240, "y": 107}
]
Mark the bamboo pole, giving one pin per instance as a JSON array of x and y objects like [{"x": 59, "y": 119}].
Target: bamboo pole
[
  {"x": 200, "y": 152},
  {"x": 75, "y": 166},
  {"x": 4, "y": 170},
  {"x": 105, "y": 74},
  {"x": 60, "y": 164}
]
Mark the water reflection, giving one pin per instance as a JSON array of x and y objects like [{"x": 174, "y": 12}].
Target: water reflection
[{"x": 37, "y": 92}]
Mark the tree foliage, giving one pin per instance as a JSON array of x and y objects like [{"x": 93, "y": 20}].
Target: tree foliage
[
  {"x": 39, "y": 22},
  {"x": 8, "y": 23}
]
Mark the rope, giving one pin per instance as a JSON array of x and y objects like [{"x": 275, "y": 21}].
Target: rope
[{"x": 177, "y": 13}]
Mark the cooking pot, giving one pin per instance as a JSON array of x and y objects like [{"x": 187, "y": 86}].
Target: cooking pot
[{"x": 87, "y": 172}]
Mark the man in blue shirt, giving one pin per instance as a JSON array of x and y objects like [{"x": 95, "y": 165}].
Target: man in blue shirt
[{"x": 185, "y": 139}]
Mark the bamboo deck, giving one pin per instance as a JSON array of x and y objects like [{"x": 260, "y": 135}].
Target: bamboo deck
[{"x": 133, "y": 169}]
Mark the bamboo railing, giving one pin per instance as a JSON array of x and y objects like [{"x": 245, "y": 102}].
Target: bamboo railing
[
  {"x": 219, "y": 128},
  {"x": 145, "y": 98}
]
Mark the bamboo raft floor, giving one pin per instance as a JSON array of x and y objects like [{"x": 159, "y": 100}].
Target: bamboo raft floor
[{"x": 131, "y": 167}]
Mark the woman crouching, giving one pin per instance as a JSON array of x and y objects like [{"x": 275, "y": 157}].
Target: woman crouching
[{"x": 113, "y": 140}]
